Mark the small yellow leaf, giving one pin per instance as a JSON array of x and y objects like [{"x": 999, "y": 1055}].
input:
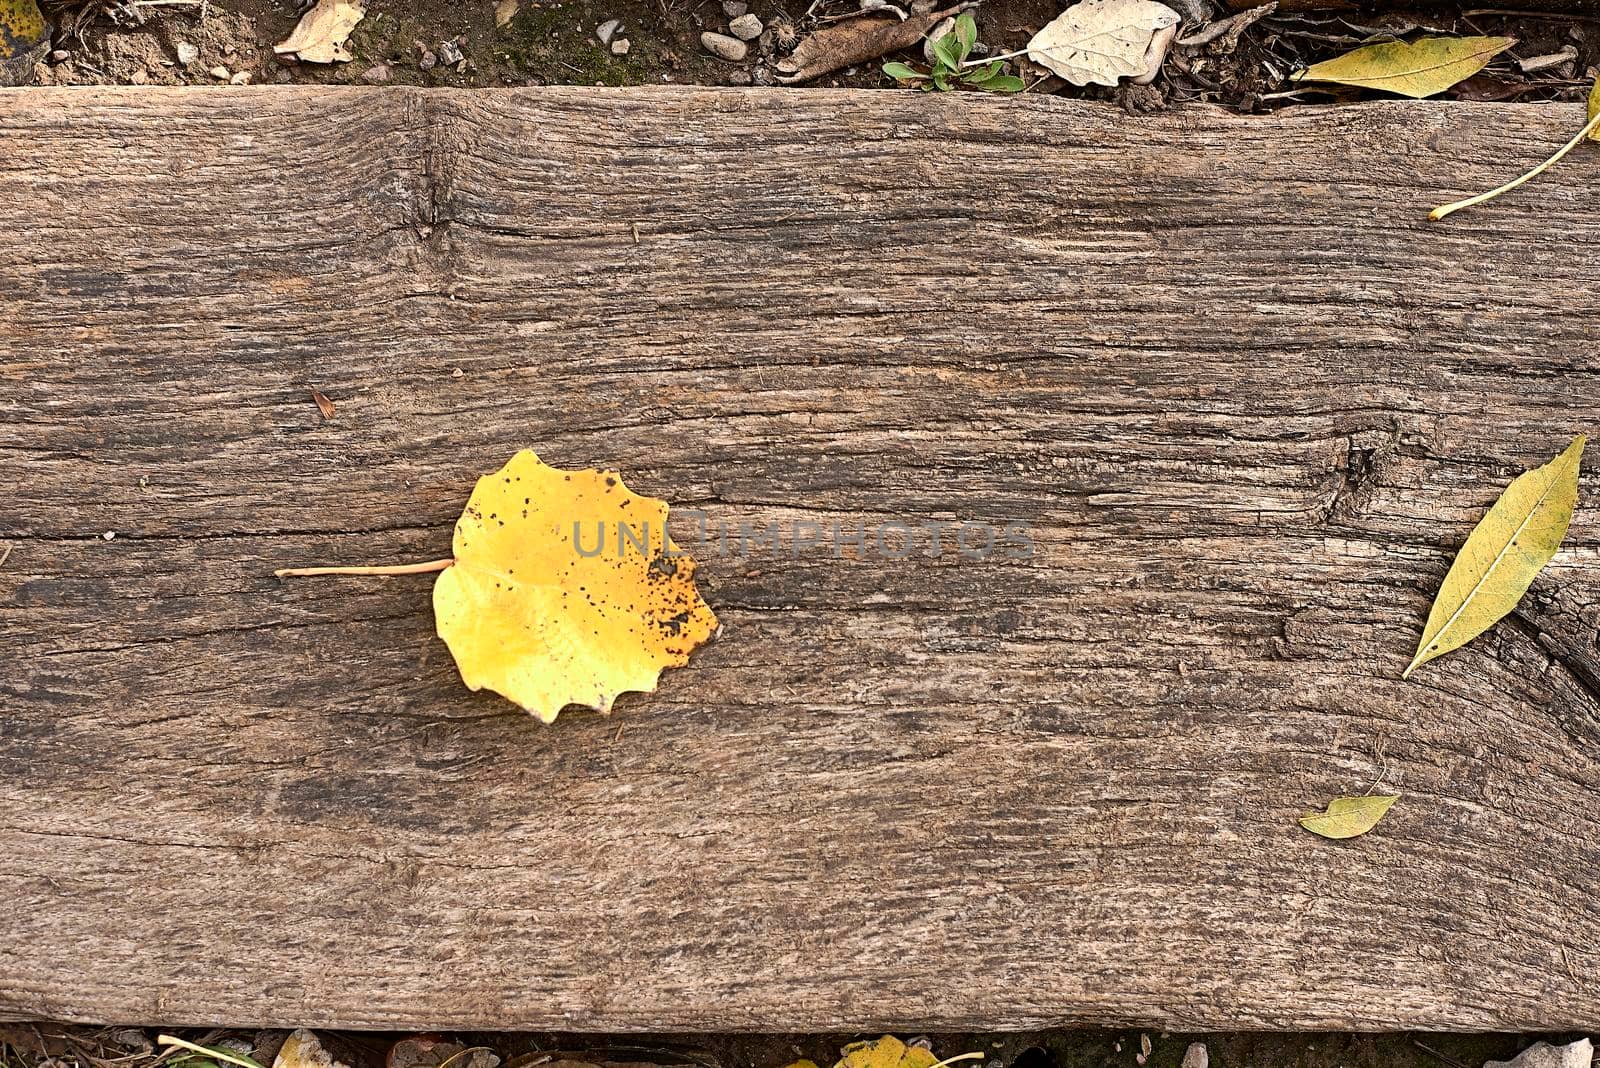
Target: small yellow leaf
[
  {"x": 1508, "y": 547},
  {"x": 1348, "y": 817},
  {"x": 565, "y": 589},
  {"x": 1422, "y": 68}
]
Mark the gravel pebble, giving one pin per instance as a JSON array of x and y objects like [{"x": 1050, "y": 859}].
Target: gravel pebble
[
  {"x": 607, "y": 30},
  {"x": 746, "y": 27},
  {"x": 620, "y": 46},
  {"x": 1196, "y": 1056},
  {"x": 220, "y": 73},
  {"x": 377, "y": 74},
  {"x": 734, "y": 8},
  {"x": 729, "y": 48},
  {"x": 187, "y": 53}
]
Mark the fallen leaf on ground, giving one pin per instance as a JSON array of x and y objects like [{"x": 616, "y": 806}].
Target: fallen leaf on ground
[
  {"x": 302, "y": 1049},
  {"x": 1099, "y": 42},
  {"x": 24, "y": 37},
  {"x": 1417, "y": 69},
  {"x": 1349, "y": 817},
  {"x": 431, "y": 1051},
  {"x": 321, "y": 35},
  {"x": 1508, "y": 547},
  {"x": 505, "y": 11},
  {"x": 1579, "y": 1054},
  {"x": 886, "y": 1052},
  {"x": 531, "y": 610},
  {"x": 324, "y": 405},
  {"x": 1594, "y": 109},
  {"x": 857, "y": 40}
]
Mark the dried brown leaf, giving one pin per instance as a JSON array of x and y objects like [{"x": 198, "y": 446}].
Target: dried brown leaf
[{"x": 857, "y": 40}]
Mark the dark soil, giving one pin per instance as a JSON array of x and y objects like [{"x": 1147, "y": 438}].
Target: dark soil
[
  {"x": 553, "y": 42},
  {"x": 64, "y": 1046}
]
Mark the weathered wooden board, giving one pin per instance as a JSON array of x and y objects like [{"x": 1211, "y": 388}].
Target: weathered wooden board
[{"x": 1243, "y": 399}]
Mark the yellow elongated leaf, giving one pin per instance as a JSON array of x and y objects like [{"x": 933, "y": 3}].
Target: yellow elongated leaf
[
  {"x": 1502, "y": 555},
  {"x": 1594, "y": 109},
  {"x": 565, "y": 589},
  {"x": 1349, "y": 817},
  {"x": 1418, "y": 69}
]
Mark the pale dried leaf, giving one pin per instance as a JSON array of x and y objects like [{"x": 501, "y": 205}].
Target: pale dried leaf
[
  {"x": 1579, "y": 1054},
  {"x": 1098, "y": 42},
  {"x": 321, "y": 35},
  {"x": 302, "y": 1049}
]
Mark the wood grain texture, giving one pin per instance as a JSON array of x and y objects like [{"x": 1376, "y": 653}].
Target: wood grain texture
[{"x": 1244, "y": 399}]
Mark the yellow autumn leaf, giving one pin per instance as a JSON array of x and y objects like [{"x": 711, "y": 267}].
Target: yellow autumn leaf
[
  {"x": 886, "y": 1052},
  {"x": 565, "y": 589},
  {"x": 1348, "y": 817},
  {"x": 1422, "y": 68},
  {"x": 1508, "y": 547},
  {"x": 24, "y": 35},
  {"x": 1594, "y": 111}
]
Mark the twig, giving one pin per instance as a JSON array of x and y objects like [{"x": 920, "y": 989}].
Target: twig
[
  {"x": 1436, "y": 1053},
  {"x": 1446, "y": 209},
  {"x": 381, "y": 569}
]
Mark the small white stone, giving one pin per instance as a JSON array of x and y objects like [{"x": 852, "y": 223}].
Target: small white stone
[
  {"x": 187, "y": 53},
  {"x": 746, "y": 27},
  {"x": 108, "y": 535},
  {"x": 620, "y": 46},
  {"x": 242, "y": 78},
  {"x": 221, "y": 73},
  {"x": 734, "y": 8},
  {"x": 729, "y": 48},
  {"x": 607, "y": 30},
  {"x": 1196, "y": 1056}
]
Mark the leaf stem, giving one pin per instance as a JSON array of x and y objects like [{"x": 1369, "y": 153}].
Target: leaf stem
[
  {"x": 1440, "y": 212},
  {"x": 382, "y": 569},
  {"x": 990, "y": 59},
  {"x": 219, "y": 1054}
]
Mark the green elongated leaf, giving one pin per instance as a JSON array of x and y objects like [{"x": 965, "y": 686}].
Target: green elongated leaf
[
  {"x": 947, "y": 50},
  {"x": 966, "y": 33},
  {"x": 903, "y": 72},
  {"x": 1422, "y": 68},
  {"x": 1004, "y": 83},
  {"x": 1350, "y": 817},
  {"x": 983, "y": 73},
  {"x": 1508, "y": 547}
]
